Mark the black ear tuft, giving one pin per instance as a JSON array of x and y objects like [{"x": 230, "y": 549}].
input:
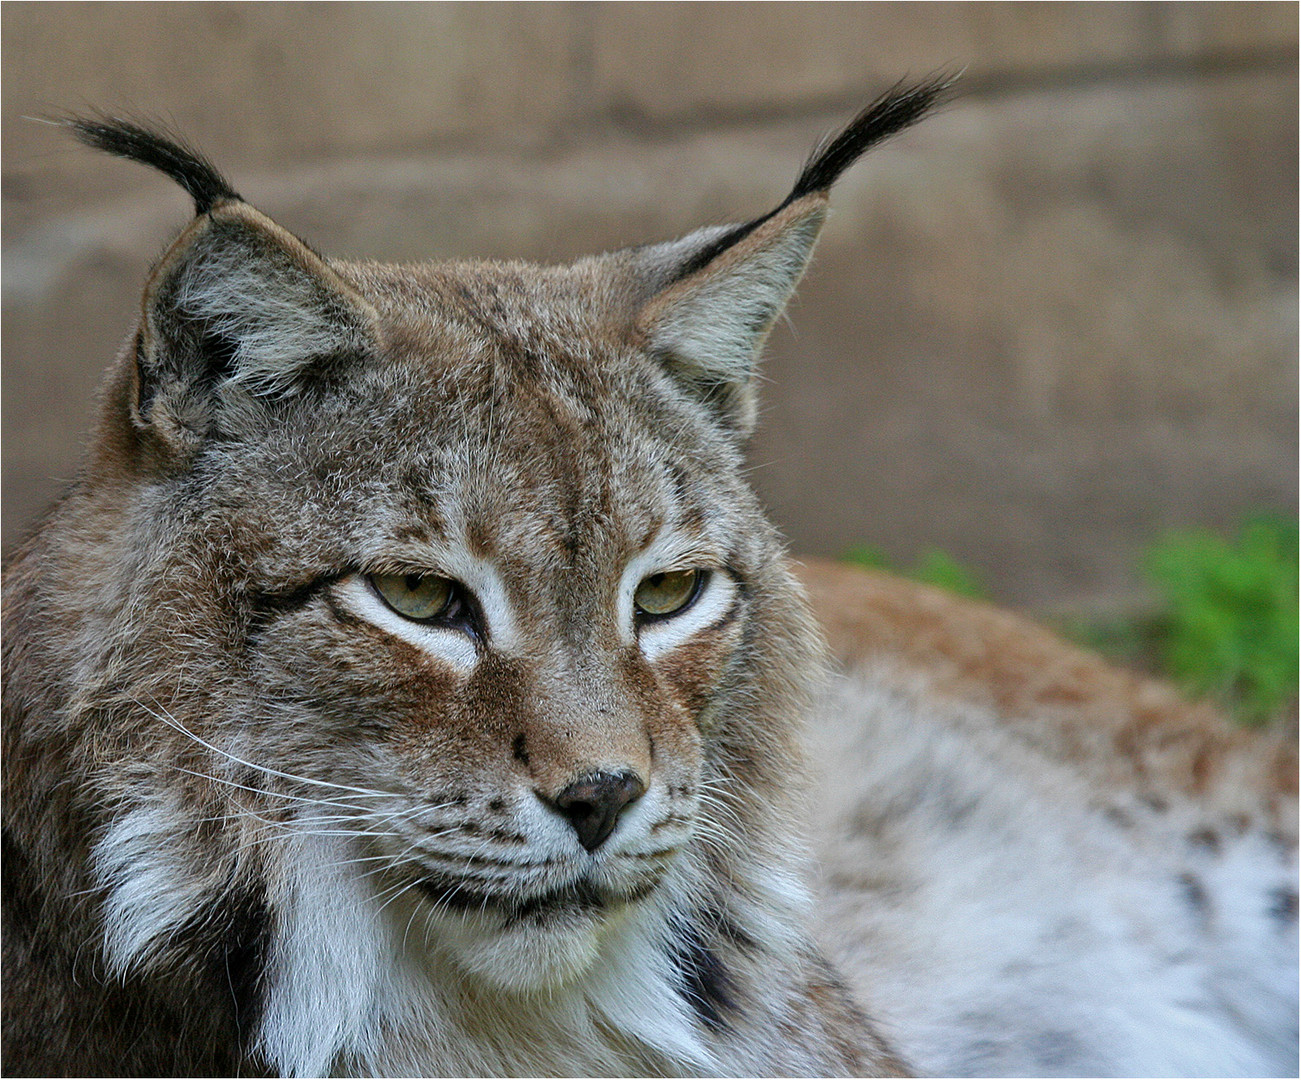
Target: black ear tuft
[
  {"x": 899, "y": 107},
  {"x": 166, "y": 152}
]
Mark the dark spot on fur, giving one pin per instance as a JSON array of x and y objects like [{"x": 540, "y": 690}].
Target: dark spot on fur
[
  {"x": 520, "y": 750},
  {"x": 1283, "y": 905},
  {"x": 266, "y": 607},
  {"x": 1118, "y": 817},
  {"x": 219, "y": 351},
  {"x": 342, "y": 615},
  {"x": 706, "y": 984},
  {"x": 1206, "y": 839},
  {"x": 1055, "y": 1052},
  {"x": 1194, "y": 894},
  {"x": 416, "y": 484},
  {"x": 248, "y": 939},
  {"x": 460, "y": 893},
  {"x": 419, "y": 533},
  {"x": 233, "y": 934},
  {"x": 480, "y": 539},
  {"x": 145, "y": 385},
  {"x": 736, "y": 935},
  {"x": 1155, "y": 802},
  {"x": 497, "y": 805}
]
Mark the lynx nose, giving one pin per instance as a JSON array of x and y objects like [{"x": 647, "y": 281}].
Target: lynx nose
[{"x": 594, "y": 803}]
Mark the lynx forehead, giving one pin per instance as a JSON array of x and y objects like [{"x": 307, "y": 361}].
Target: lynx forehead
[{"x": 409, "y": 682}]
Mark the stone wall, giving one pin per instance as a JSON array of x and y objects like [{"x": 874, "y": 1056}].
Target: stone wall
[{"x": 1055, "y": 319}]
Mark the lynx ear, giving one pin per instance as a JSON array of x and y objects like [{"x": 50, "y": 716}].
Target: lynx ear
[
  {"x": 239, "y": 302},
  {"x": 714, "y": 295},
  {"x": 708, "y": 327},
  {"x": 237, "y": 309}
]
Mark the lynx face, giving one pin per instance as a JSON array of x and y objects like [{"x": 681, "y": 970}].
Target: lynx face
[{"x": 522, "y": 570}]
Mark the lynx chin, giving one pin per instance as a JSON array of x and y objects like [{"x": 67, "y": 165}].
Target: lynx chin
[{"x": 410, "y": 683}]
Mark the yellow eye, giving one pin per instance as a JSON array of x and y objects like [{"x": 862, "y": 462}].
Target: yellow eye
[
  {"x": 416, "y": 596},
  {"x": 668, "y": 593}
]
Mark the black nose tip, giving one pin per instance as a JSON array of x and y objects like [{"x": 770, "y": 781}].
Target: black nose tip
[{"x": 594, "y": 803}]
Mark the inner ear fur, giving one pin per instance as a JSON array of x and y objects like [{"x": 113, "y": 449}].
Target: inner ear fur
[
  {"x": 239, "y": 306},
  {"x": 709, "y": 326}
]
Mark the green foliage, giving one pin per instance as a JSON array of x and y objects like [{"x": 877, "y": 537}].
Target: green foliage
[
  {"x": 1229, "y": 619},
  {"x": 935, "y": 567},
  {"x": 867, "y": 555},
  {"x": 932, "y": 567},
  {"x": 1227, "y": 624}
]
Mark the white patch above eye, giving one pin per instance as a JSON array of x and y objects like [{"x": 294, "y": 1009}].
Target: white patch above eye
[{"x": 452, "y": 646}]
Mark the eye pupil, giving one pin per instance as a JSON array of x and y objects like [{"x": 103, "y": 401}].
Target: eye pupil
[{"x": 412, "y": 582}]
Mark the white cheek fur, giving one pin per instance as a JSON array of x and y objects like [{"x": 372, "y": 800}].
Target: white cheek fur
[{"x": 453, "y": 647}]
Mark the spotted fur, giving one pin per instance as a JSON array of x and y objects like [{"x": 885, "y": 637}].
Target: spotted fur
[{"x": 1040, "y": 865}]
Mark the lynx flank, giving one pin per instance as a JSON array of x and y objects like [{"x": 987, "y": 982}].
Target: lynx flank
[{"x": 410, "y": 683}]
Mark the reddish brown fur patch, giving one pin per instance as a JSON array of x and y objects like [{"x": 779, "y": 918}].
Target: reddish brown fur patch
[{"x": 1122, "y": 728}]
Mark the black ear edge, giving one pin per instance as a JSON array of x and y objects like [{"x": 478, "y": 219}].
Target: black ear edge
[
  {"x": 160, "y": 149},
  {"x": 897, "y": 108}
]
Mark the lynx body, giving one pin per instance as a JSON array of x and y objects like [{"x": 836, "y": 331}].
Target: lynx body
[{"x": 410, "y": 683}]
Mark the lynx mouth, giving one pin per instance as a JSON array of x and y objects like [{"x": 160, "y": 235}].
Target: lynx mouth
[{"x": 580, "y": 898}]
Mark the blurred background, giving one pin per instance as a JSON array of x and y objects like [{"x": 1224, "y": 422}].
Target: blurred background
[{"x": 1044, "y": 328}]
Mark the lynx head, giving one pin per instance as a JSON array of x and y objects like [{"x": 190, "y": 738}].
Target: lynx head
[{"x": 437, "y": 592}]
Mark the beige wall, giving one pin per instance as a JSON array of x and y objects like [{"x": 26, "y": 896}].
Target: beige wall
[{"x": 1052, "y": 321}]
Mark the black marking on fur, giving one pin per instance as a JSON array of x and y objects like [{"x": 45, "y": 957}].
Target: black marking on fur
[
  {"x": 233, "y": 935},
  {"x": 266, "y": 607},
  {"x": 737, "y": 936},
  {"x": 219, "y": 352},
  {"x": 1206, "y": 839},
  {"x": 519, "y": 748},
  {"x": 705, "y": 982},
  {"x": 1283, "y": 905},
  {"x": 898, "y": 108},
  {"x": 146, "y": 385},
  {"x": 246, "y": 948},
  {"x": 463, "y": 894},
  {"x": 162, "y": 150},
  {"x": 1195, "y": 896},
  {"x": 22, "y": 905},
  {"x": 1118, "y": 817}
]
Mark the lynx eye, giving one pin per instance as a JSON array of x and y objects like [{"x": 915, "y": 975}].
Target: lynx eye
[
  {"x": 667, "y": 593},
  {"x": 417, "y": 596}
]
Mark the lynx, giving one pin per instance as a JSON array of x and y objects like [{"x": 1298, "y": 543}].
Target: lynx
[{"x": 411, "y": 683}]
